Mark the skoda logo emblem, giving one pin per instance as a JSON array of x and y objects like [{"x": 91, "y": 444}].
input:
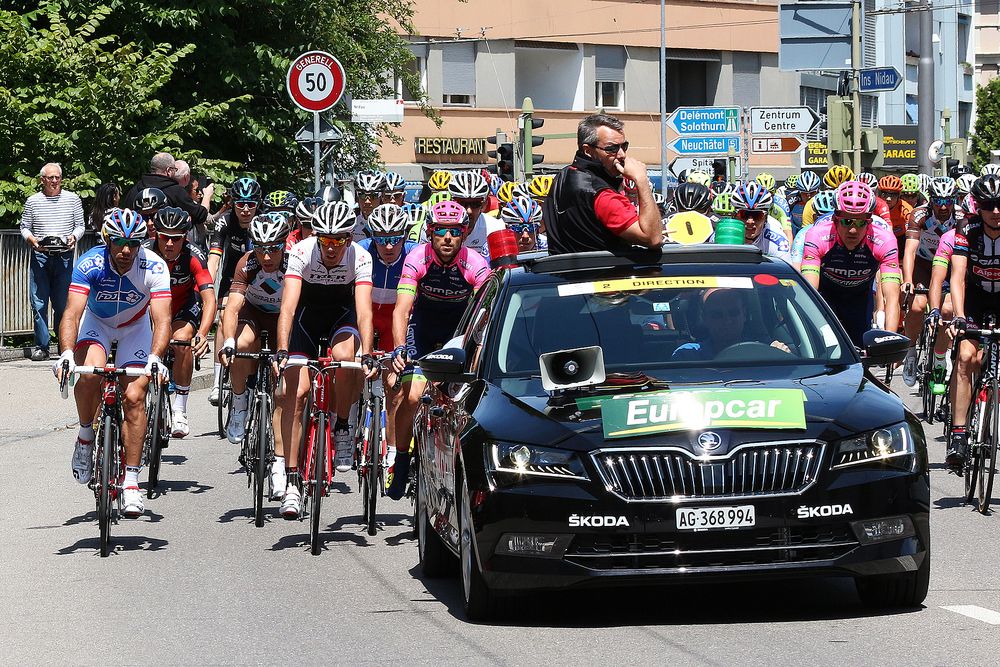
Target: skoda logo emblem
[{"x": 709, "y": 441}]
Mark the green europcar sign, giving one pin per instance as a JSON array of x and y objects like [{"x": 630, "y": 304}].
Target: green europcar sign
[{"x": 641, "y": 414}]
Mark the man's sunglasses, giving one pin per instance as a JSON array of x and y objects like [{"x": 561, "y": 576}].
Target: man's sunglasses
[
  {"x": 756, "y": 216},
  {"x": 270, "y": 248},
  {"x": 612, "y": 149},
  {"x": 522, "y": 227},
  {"x": 988, "y": 204},
  {"x": 174, "y": 238},
  {"x": 333, "y": 241},
  {"x": 442, "y": 232},
  {"x": 246, "y": 205},
  {"x": 369, "y": 195},
  {"x": 123, "y": 242},
  {"x": 856, "y": 223},
  {"x": 942, "y": 201},
  {"x": 470, "y": 203},
  {"x": 387, "y": 240}
]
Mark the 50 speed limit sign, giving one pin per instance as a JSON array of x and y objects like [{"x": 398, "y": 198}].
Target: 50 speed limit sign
[{"x": 315, "y": 81}]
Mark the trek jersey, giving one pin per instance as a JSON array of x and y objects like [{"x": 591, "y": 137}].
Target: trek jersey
[
  {"x": 826, "y": 256},
  {"x": 983, "y": 253},
  {"x": 258, "y": 287},
  {"x": 120, "y": 299},
  {"x": 187, "y": 273},
  {"x": 323, "y": 287}
]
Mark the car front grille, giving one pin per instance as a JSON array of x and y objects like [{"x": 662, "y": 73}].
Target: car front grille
[{"x": 754, "y": 469}]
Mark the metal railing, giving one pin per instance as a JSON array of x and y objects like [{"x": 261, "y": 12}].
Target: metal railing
[{"x": 17, "y": 316}]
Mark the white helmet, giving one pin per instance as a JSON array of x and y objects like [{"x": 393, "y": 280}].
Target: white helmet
[
  {"x": 333, "y": 218},
  {"x": 369, "y": 181},
  {"x": 268, "y": 228},
  {"x": 469, "y": 185},
  {"x": 989, "y": 168},
  {"x": 388, "y": 220}
]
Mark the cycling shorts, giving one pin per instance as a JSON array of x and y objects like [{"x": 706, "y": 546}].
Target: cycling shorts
[
  {"x": 134, "y": 340},
  {"x": 189, "y": 311},
  {"x": 979, "y": 305},
  {"x": 422, "y": 340},
  {"x": 310, "y": 325},
  {"x": 844, "y": 304},
  {"x": 921, "y": 273},
  {"x": 382, "y": 324},
  {"x": 259, "y": 321}
]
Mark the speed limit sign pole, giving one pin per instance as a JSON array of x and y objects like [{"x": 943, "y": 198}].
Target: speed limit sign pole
[{"x": 315, "y": 83}]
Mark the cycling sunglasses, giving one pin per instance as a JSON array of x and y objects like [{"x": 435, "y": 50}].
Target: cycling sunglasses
[
  {"x": 247, "y": 205},
  {"x": 171, "y": 237},
  {"x": 942, "y": 201},
  {"x": 270, "y": 248},
  {"x": 333, "y": 241},
  {"x": 442, "y": 232},
  {"x": 387, "y": 240},
  {"x": 856, "y": 223},
  {"x": 123, "y": 242},
  {"x": 522, "y": 227},
  {"x": 756, "y": 216},
  {"x": 988, "y": 204}
]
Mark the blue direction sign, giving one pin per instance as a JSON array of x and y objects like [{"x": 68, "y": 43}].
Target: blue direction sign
[
  {"x": 704, "y": 145},
  {"x": 705, "y": 120},
  {"x": 879, "y": 79}
]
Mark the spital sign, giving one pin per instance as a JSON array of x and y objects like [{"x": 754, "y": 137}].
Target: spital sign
[{"x": 448, "y": 146}]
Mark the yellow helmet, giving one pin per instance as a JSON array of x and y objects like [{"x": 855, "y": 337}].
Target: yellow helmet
[
  {"x": 437, "y": 198},
  {"x": 506, "y": 191},
  {"x": 836, "y": 175},
  {"x": 700, "y": 177},
  {"x": 766, "y": 180},
  {"x": 539, "y": 186},
  {"x": 439, "y": 180}
]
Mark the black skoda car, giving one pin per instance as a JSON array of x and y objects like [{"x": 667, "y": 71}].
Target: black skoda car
[{"x": 699, "y": 413}]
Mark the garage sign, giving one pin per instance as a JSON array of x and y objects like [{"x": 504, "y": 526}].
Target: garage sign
[{"x": 642, "y": 414}]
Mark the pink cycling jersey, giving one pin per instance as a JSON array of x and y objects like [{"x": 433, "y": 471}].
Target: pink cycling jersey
[
  {"x": 434, "y": 283},
  {"x": 945, "y": 249},
  {"x": 826, "y": 256}
]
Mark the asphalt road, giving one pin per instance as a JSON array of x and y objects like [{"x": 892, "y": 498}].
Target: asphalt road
[{"x": 193, "y": 582}]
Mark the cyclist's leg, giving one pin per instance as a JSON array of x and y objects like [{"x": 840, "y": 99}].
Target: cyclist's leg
[
  {"x": 223, "y": 297},
  {"x": 91, "y": 350},
  {"x": 182, "y": 329},
  {"x": 344, "y": 346}
]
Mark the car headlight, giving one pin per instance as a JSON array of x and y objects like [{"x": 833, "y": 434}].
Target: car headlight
[
  {"x": 515, "y": 458},
  {"x": 891, "y": 446}
]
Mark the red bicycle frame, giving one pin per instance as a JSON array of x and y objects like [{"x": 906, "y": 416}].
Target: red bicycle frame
[{"x": 320, "y": 394}]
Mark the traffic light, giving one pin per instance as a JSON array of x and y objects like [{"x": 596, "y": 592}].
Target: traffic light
[
  {"x": 504, "y": 155},
  {"x": 839, "y": 125},
  {"x": 526, "y": 126}
]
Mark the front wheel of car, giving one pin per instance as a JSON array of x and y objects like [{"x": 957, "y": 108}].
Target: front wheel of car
[
  {"x": 481, "y": 603},
  {"x": 435, "y": 559},
  {"x": 896, "y": 590}
]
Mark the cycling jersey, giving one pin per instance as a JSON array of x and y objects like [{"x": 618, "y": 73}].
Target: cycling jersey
[
  {"x": 780, "y": 215},
  {"x": 771, "y": 241},
  {"x": 116, "y": 299},
  {"x": 187, "y": 273},
  {"x": 385, "y": 279},
  {"x": 485, "y": 225},
  {"x": 841, "y": 269},
  {"x": 230, "y": 241},
  {"x": 926, "y": 228},
  {"x": 945, "y": 249},
  {"x": 360, "y": 232},
  {"x": 899, "y": 215},
  {"x": 325, "y": 287},
  {"x": 983, "y": 253},
  {"x": 258, "y": 287},
  {"x": 881, "y": 208}
]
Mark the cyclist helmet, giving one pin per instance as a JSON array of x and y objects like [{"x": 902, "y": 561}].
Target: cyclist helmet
[
  {"x": 123, "y": 223},
  {"x": 246, "y": 189},
  {"x": 825, "y": 202},
  {"x": 449, "y": 214},
  {"x": 172, "y": 220},
  {"x": 522, "y": 190},
  {"x": 394, "y": 182},
  {"x": 280, "y": 200},
  {"x": 150, "y": 199},
  {"x": 752, "y": 196},
  {"x": 869, "y": 179},
  {"x": 985, "y": 188},
  {"x": 698, "y": 176},
  {"x": 990, "y": 168},
  {"x": 964, "y": 183},
  {"x": 437, "y": 197},
  {"x": 305, "y": 208},
  {"x": 539, "y": 186},
  {"x": 792, "y": 182},
  {"x": 925, "y": 183},
  {"x": 506, "y": 192},
  {"x": 334, "y": 218},
  {"x": 417, "y": 213},
  {"x": 909, "y": 183},
  {"x": 329, "y": 193},
  {"x": 369, "y": 181},
  {"x": 718, "y": 187},
  {"x": 692, "y": 197},
  {"x": 521, "y": 211},
  {"x": 268, "y": 228},
  {"x": 854, "y": 197},
  {"x": 767, "y": 180},
  {"x": 836, "y": 175},
  {"x": 942, "y": 186},
  {"x": 468, "y": 185},
  {"x": 890, "y": 184},
  {"x": 723, "y": 205},
  {"x": 439, "y": 180},
  {"x": 808, "y": 182},
  {"x": 495, "y": 183},
  {"x": 388, "y": 220}
]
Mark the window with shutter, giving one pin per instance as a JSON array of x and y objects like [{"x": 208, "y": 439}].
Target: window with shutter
[{"x": 458, "y": 83}]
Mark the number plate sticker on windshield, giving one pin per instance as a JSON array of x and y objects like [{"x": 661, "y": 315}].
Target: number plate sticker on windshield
[{"x": 716, "y": 518}]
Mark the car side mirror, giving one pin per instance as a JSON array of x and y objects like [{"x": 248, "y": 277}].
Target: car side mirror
[
  {"x": 445, "y": 365},
  {"x": 884, "y": 347}
]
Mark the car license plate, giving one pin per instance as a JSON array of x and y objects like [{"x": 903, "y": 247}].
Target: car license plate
[{"x": 715, "y": 518}]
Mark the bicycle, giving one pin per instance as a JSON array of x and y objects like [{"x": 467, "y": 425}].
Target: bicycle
[
  {"x": 109, "y": 450},
  {"x": 257, "y": 451},
  {"x": 370, "y": 444},
  {"x": 984, "y": 423},
  {"x": 317, "y": 471},
  {"x": 225, "y": 402},
  {"x": 159, "y": 418}
]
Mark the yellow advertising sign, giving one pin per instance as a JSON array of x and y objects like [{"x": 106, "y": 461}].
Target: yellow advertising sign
[
  {"x": 815, "y": 155},
  {"x": 656, "y": 282}
]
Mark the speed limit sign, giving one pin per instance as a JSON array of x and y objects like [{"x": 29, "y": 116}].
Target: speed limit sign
[{"x": 315, "y": 81}]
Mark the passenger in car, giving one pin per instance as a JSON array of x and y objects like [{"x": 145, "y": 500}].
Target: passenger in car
[{"x": 724, "y": 323}]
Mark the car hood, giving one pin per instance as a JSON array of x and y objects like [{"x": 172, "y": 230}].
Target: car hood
[{"x": 838, "y": 402}]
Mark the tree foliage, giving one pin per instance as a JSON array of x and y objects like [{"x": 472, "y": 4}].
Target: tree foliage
[
  {"x": 987, "y": 135},
  {"x": 100, "y": 85}
]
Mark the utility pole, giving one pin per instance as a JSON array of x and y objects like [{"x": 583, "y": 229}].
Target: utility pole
[
  {"x": 856, "y": 65},
  {"x": 663, "y": 96},
  {"x": 925, "y": 88}
]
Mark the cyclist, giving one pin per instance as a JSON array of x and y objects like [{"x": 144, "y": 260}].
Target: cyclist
[
  {"x": 303, "y": 215},
  {"x": 327, "y": 295},
  {"x": 192, "y": 301},
  {"x": 523, "y": 216},
  {"x": 881, "y": 208},
  {"x": 147, "y": 203},
  {"x": 254, "y": 301},
  {"x": 120, "y": 292},
  {"x": 752, "y": 202},
  {"x": 890, "y": 187},
  {"x": 394, "y": 189},
  {"x": 504, "y": 193},
  {"x": 540, "y": 186},
  {"x": 975, "y": 294},
  {"x": 368, "y": 187},
  {"x": 825, "y": 204},
  {"x": 438, "y": 182},
  {"x": 722, "y": 207},
  {"x": 806, "y": 187},
  {"x": 438, "y": 280},
  {"x": 911, "y": 191},
  {"x": 832, "y": 179},
  {"x": 690, "y": 222},
  {"x": 417, "y": 215},
  {"x": 469, "y": 189},
  {"x": 779, "y": 205},
  {"x": 842, "y": 257},
  {"x": 698, "y": 176}
]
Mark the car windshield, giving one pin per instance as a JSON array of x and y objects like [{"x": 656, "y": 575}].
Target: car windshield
[{"x": 664, "y": 325}]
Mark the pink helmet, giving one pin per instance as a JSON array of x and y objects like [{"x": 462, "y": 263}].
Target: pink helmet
[
  {"x": 449, "y": 213},
  {"x": 854, "y": 197}
]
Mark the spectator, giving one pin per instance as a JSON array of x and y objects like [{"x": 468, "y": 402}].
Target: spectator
[
  {"x": 162, "y": 170},
  {"x": 52, "y": 223},
  {"x": 586, "y": 209},
  {"x": 107, "y": 197}
]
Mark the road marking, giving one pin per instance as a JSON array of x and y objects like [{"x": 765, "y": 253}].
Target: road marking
[{"x": 979, "y": 613}]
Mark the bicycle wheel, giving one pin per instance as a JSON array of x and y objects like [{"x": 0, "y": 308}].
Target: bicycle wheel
[
  {"x": 155, "y": 434},
  {"x": 363, "y": 447},
  {"x": 321, "y": 443},
  {"x": 225, "y": 398},
  {"x": 977, "y": 417},
  {"x": 374, "y": 461},
  {"x": 988, "y": 454},
  {"x": 263, "y": 428},
  {"x": 105, "y": 455}
]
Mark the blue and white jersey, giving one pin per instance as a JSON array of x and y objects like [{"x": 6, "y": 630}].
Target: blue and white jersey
[
  {"x": 773, "y": 242},
  {"x": 385, "y": 278},
  {"x": 119, "y": 300}
]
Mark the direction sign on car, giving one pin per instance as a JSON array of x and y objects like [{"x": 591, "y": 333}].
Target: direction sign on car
[
  {"x": 315, "y": 81},
  {"x": 704, "y": 145},
  {"x": 776, "y": 144},
  {"x": 879, "y": 79},
  {"x": 705, "y": 120},
  {"x": 782, "y": 120}
]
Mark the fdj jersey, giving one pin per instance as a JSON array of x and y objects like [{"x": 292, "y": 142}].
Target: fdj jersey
[
  {"x": 385, "y": 280},
  {"x": 120, "y": 299}
]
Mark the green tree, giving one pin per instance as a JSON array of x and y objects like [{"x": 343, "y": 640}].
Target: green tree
[{"x": 987, "y": 136}]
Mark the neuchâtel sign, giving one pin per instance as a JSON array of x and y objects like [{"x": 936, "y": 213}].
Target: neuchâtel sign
[{"x": 445, "y": 149}]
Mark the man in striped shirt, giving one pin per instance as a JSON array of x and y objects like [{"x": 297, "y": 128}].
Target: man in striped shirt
[{"x": 52, "y": 223}]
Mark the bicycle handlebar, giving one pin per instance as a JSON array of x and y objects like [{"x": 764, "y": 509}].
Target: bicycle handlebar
[
  {"x": 324, "y": 365},
  {"x": 98, "y": 370}
]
